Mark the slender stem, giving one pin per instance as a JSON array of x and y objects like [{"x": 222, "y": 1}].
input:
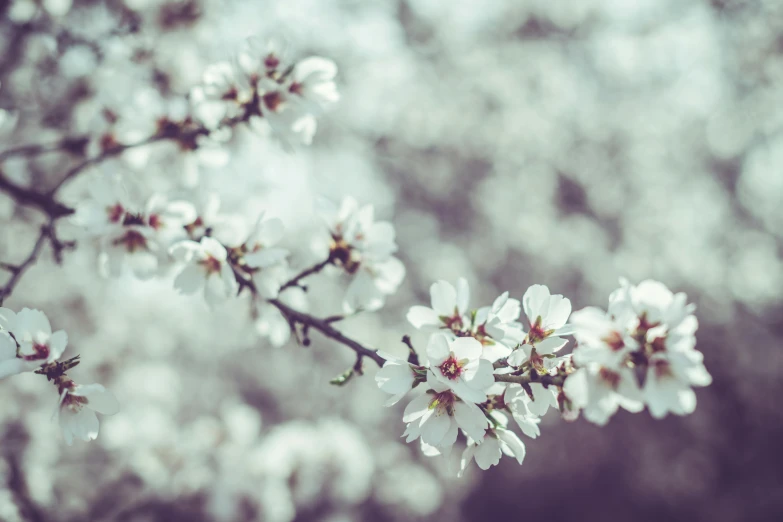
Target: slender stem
[
  {"x": 305, "y": 273},
  {"x": 18, "y": 271},
  {"x": 25, "y": 196},
  {"x": 326, "y": 329},
  {"x": 532, "y": 377},
  {"x": 66, "y": 144}
]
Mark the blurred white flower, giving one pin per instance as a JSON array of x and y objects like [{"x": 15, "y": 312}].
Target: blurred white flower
[
  {"x": 265, "y": 261},
  {"x": 363, "y": 247},
  {"x": 221, "y": 94},
  {"x": 106, "y": 206},
  {"x": 77, "y": 408},
  {"x": 133, "y": 245},
  {"x": 207, "y": 269},
  {"x": 599, "y": 391},
  {"x": 32, "y": 332},
  {"x": 312, "y": 81}
]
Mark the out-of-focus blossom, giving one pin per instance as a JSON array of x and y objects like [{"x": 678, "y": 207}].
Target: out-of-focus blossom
[{"x": 77, "y": 408}]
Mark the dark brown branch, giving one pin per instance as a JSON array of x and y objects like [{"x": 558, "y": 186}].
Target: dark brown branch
[
  {"x": 71, "y": 145},
  {"x": 305, "y": 273},
  {"x": 47, "y": 232},
  {"x": 532, "y": 377},
  {"x": 17, "y": 271},
  {"x": 103, "y": 156},
  {"x": 307, "y": 320},
  {"x": 25, "y": 196}
]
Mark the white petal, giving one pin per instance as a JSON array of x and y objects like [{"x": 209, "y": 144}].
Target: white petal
[
  {"x": 57, "y": 344},
  {"x": 444, "y": 298},
  {"x": 516, "y": 447},
  {"x": 466, "y": 348},
  {"x": 438, "y": 349},
  {"x": 191, "y": 279},
  {"x": 98, "y": 398},
  {"x": 463, "y": 295},
  {"x": 420, "y": 316}
]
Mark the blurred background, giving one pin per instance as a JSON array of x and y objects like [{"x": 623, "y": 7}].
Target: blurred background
[{"x": 511, "y": 142}]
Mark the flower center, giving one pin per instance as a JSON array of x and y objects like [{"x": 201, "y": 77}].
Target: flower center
[
  {"x": 115, "y": 213},
  {"x": 155, "y": 221},
  {"x": 615, "y": 341},
  {"x": 453, "y": 323},
  {"x": 451, "y": 368},
  {"x": 443, "y": 402},
  {"x": 74, "y": 402},
  {"x": 610, "y": 377},
  {"x": 40, "y": 351},
  {"x": 662, "y": 368},
  {"x": 273, "y": 100},
  {"x": 133, "y": 240},
  {"x": 342, "y": 254},
  {"x": 537, "y": 332},
  {"x": 211, "y": 264}
]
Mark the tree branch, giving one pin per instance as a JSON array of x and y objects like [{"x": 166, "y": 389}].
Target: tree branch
[
  {"x": 307, "y": 320},
  {"x": 532, "y": 377},
  {"x": 47, "y": 232},
  {"x": 73, "y": 145},
  {"x": 305, "y": 273},
  {"x": 25, "y": 196}
]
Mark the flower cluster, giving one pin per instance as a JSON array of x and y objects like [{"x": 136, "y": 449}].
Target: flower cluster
[
  {"x": 641, "y": 352},
  {"x": 28, "y": 344},
  {"x": 363, "y": 248},
  {"x": 503, "y": 360},
  {"x": 260, "y": 86}
]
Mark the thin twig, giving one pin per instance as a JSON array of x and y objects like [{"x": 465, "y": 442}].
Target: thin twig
[
  {"x": 326, "y": 329},
  {"x": 48, "y": 232},
  {"x": 305, "y": 273},
  {"x": 532, "y": 377},
  {"x": 76, "y": 144},
  {"x": 25, "y": 196},
  {"x": 18, "y": 271}
]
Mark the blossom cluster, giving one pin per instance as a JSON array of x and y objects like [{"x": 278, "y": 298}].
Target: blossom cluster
[
  {"x": 483, "y": 366},
  {"x": 486, "y": 364},
  {"x": 27, "y": 344},
  {"x": 260, "y": 86}
]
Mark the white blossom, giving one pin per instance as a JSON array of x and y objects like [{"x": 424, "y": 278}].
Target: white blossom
[
  {"x": 437, "y": 416},
  {"x": 32, "y": 332},
  {"x": 449, "y": 307},
  {"x": 397, "y": 377},
  {"x": 265, "y": 261},
  {"x": 457, "y": 363},
  {"x": 363, "y": 247},
  {"x": 207, "y": 269},
  {"x": 547, "y": 315},
  {"x": 488, "y": 450},
  {"x": 77, "y": 407}
]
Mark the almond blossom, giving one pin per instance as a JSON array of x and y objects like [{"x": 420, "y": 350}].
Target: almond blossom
[
  {"x": 363, "y": 248},
  {"x": 397, "y": 377},
  {"x": 77, "y": 408},
  {"x": 33, "y": 344},
  {"x": 207, "y": 270},
  {"x": 449, "y": 307},
  {"x": 266, "y": 262},
  {"x": 497, "y": 441},
  {"x": 458, "y": 364},
  {"x": 438, "y": 415}
]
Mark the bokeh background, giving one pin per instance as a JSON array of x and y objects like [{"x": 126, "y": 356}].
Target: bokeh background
[{"x": 511, "y": 142}]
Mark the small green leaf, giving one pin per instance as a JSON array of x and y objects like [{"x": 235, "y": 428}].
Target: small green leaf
[{"x": 343, "y": 378}]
